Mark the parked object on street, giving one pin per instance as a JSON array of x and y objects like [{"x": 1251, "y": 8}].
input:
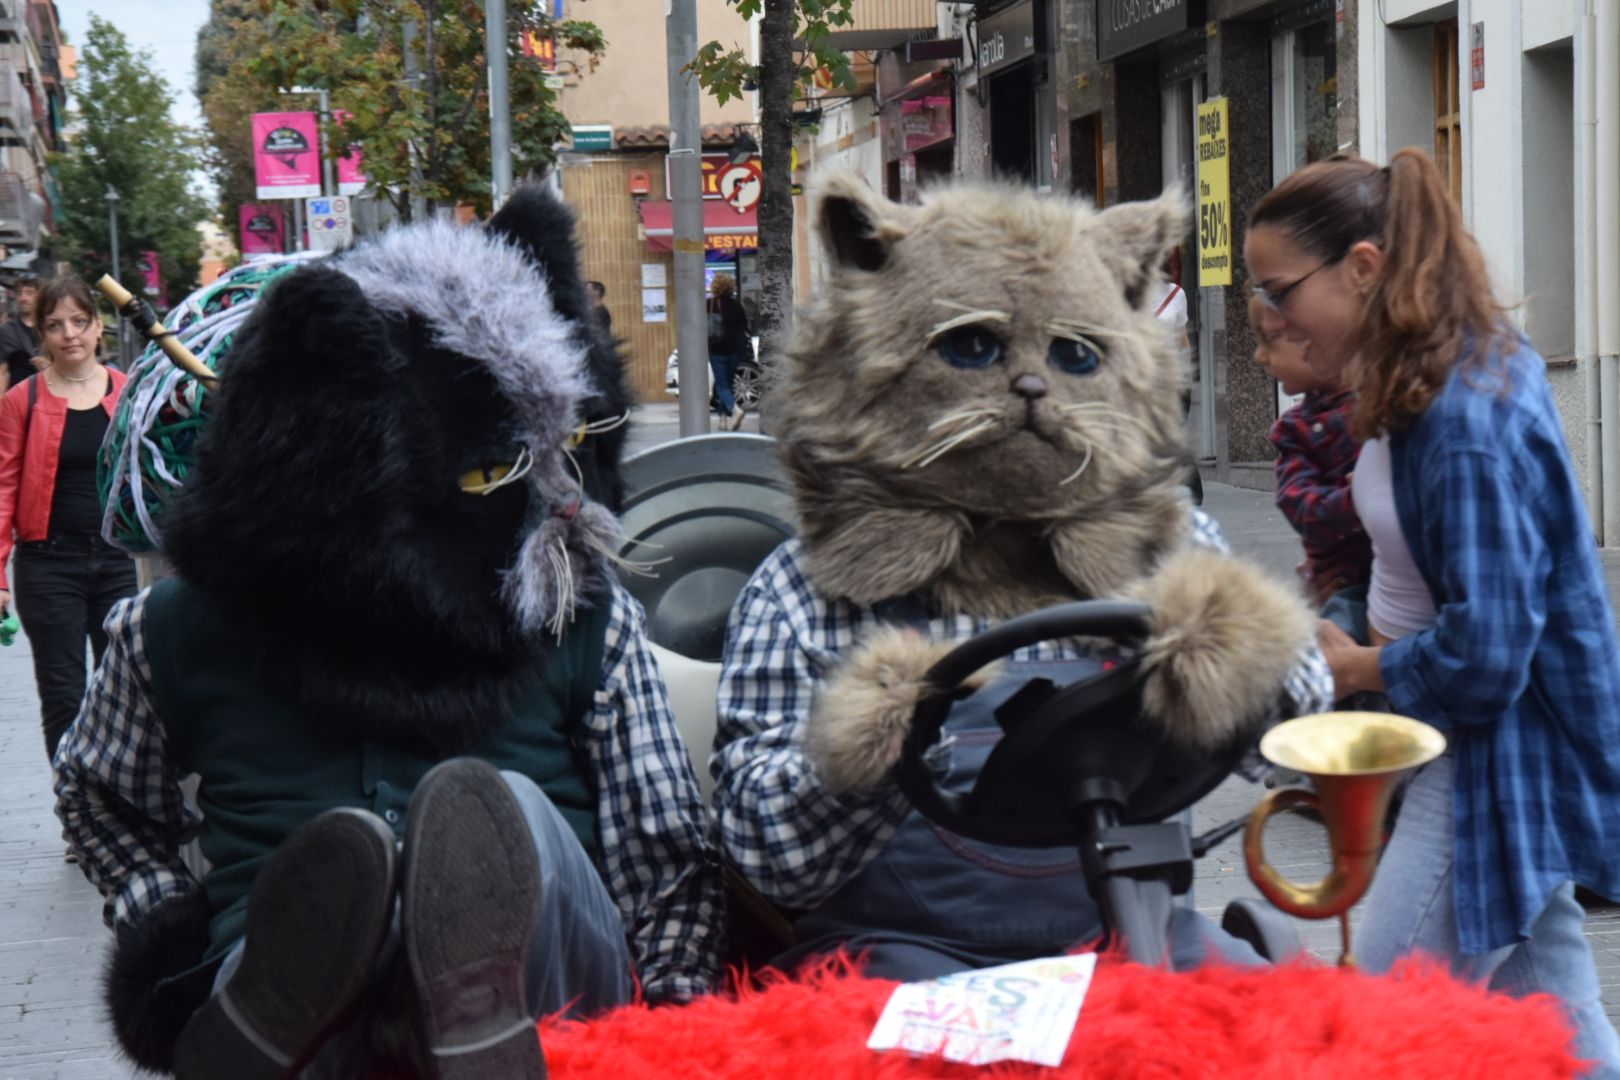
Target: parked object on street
[{"x": 747, "y": 386}]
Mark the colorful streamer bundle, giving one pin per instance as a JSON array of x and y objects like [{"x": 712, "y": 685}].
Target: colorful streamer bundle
[{"x": 150, "y": 446}]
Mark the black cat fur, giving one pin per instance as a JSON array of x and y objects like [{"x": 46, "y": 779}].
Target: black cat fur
[{"x": 325, "y": 513}]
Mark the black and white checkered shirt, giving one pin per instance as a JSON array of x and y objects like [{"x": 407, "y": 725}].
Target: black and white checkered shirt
[{"x": 797, "y": 842}]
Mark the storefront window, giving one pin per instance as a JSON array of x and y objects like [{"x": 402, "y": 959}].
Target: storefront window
[{"x": 1315, "y": 94}]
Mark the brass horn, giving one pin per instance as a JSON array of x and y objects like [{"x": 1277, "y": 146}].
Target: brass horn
[{"x": 1355, "y": 760}]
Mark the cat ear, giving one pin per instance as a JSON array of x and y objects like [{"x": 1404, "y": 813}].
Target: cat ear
[
  {"x": 857, "y": 225},
  {"x": 1143, "y": 233}
]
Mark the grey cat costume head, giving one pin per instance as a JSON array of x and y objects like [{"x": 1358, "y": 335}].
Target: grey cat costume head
[
  {"x": 980, "y": 410},
  {"x": 980, "y": 404},
  {"x": 390, "y": 483}
]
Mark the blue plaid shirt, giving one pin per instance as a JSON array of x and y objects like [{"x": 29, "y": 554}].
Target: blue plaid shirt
[
  {"x": 122, "y": 808},
  {"x": 1521, "y": 669},
  {"x": 797, "y": 842}
]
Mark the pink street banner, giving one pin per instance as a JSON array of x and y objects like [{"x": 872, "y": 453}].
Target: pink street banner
[
  {"x": 261, "y": 228},
  {"x": 150, "y": 266},
  {"x": 286, "y": 155},
  {"x": 350, "y": 177}
]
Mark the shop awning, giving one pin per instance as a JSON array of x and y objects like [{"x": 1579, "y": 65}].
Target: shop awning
[{"x": 723, "y": 227}]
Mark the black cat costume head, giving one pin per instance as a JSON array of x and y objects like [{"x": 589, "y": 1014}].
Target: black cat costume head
[{"x": 394, "y": 485}]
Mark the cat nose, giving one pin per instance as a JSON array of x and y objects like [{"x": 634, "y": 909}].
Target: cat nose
[{"x": 1029, "y": 385}]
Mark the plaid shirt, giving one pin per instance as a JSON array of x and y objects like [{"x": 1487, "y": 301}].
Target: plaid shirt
[
  {"x": 1315, "y": 456},
  {"x": 794, "y": 840},
  {"x": 122, "y": 808},
  {"x": 1521, "y": 668}
]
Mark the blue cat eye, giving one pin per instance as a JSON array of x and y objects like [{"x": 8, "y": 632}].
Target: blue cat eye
[
  {"x": 970, "y": 347},
  {"x": 1073, "y": 357}
]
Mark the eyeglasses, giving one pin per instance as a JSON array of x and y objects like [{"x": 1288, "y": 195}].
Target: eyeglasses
[
  {"x": 1276, "y": 298},
  {"x": 71, "y": 327}
]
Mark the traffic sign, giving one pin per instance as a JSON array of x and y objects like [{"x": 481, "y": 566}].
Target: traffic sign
[{"x": 330, "y": 222}]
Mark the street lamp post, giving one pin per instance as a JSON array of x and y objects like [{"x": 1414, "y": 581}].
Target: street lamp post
[{"x": 112, "y": 230}]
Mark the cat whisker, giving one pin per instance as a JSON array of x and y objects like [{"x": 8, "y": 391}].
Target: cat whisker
[
  {"x": 963, "y": 416},
  {"x": 931, "y": 454},
  {"x": 1083, "y": 465},
  {"x": 1101, "y": 412}
]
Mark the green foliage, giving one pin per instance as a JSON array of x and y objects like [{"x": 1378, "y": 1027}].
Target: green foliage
[
  {"x": 725, "y": 73},
  {"x": 125, "y": 138},
  {"x": 427, "y": 134}
]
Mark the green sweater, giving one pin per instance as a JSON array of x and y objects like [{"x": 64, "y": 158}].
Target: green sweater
[{"x": 265, "y": 769}]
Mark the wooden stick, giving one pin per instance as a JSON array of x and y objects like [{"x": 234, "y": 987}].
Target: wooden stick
[{"x": 127, "y": 306}]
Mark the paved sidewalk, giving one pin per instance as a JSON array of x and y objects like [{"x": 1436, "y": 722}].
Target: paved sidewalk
[{"x": 52, "y": 942}]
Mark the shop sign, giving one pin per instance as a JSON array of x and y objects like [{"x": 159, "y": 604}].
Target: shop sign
[
  {"x": 925, "y": 121},
  {"x": 1214, "y": 195},
  {"x": 1476, "y": 56},
  {"x": 715, "y": 166},
  {"x": 593, "y": 136},
  {"x": 1006, "y": 38},
  {"x": 732, "y": 241},
  {"x": 1127, "y": 25}
]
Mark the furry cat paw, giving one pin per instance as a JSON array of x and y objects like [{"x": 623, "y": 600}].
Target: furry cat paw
[
  {"x": 862, "y": 713},
  {"x": 1224, "y": 636}
]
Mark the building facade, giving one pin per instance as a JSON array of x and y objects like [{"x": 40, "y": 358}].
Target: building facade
[
  {"x": 1520, "y": 102},
  {"x": 35, "y": 68},
  {"x": 615, "y": 175}
]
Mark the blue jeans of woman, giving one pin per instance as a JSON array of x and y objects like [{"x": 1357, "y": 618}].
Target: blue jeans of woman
[
  {"x": 1411, "y": 906},
  {"x": 724, "y": 367},
  {"x": 64, "y": 587}
]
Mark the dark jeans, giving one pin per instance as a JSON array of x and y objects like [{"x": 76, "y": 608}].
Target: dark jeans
[
  {"x": 724, "y": 366},
  {"x": 64, "y": 587}
]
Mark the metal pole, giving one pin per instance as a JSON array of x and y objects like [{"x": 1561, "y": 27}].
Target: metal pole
[
  {"x": 112, "y": 231},
  {"x": 328, "y": 166},
  {"x": 413, "y": 76},
  {"x": 685, "y": 177},
  {"x": 500, "y": 105}
]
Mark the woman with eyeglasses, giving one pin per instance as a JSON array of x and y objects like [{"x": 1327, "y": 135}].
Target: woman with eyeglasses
[
  {"x": 1488, "y": 616},
  {"x": 67, "y": 576}
]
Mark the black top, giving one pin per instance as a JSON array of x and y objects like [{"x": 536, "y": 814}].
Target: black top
[
  {"x": 18, "y": 345},
  {"x": 735, "y": 340},
  {"x": 75, "y": 502}
]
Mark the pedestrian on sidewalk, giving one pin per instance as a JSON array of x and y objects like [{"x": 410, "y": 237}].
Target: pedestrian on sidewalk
[
  {"x": 1316, "y": 456},
  {"x": 1487, "y": 610},
  {"x": 19, "y": 338},
  {"x": 728, "y": 344},
  {"x": 68, "y": 577}
]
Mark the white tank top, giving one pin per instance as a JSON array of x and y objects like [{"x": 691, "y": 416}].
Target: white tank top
[{"x": 1398, "y": 601}]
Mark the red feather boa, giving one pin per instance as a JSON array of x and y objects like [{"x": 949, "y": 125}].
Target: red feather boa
[{"x": 1300, "y": 1020}]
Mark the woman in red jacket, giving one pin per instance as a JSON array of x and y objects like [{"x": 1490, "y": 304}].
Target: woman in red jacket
[{"x": 67, "y": 576}]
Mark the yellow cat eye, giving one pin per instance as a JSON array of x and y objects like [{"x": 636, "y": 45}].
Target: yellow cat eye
[
  {"x": 578, "y": 436},
  {"x": 484, "y": 480}
]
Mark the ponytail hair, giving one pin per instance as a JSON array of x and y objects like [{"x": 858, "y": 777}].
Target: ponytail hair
[{"x": 1432, "y": 307}]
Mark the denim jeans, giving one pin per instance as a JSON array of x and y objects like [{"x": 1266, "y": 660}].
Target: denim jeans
[
  {"x": 578, "y": 958},
  {"x": 1411, "y": 907},
  {"x": 724, "y": 366},
  {"x": 64, "y": 588}
]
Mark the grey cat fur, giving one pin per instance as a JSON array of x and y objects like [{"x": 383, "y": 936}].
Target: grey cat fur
[{"x": 1075, "y": 494}]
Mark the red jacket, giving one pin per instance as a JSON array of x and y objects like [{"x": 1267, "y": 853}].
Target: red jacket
[{"x": 28, "y": 473}]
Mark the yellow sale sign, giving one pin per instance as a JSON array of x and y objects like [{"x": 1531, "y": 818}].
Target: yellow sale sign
[{"x": 1214, "y": 195}]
